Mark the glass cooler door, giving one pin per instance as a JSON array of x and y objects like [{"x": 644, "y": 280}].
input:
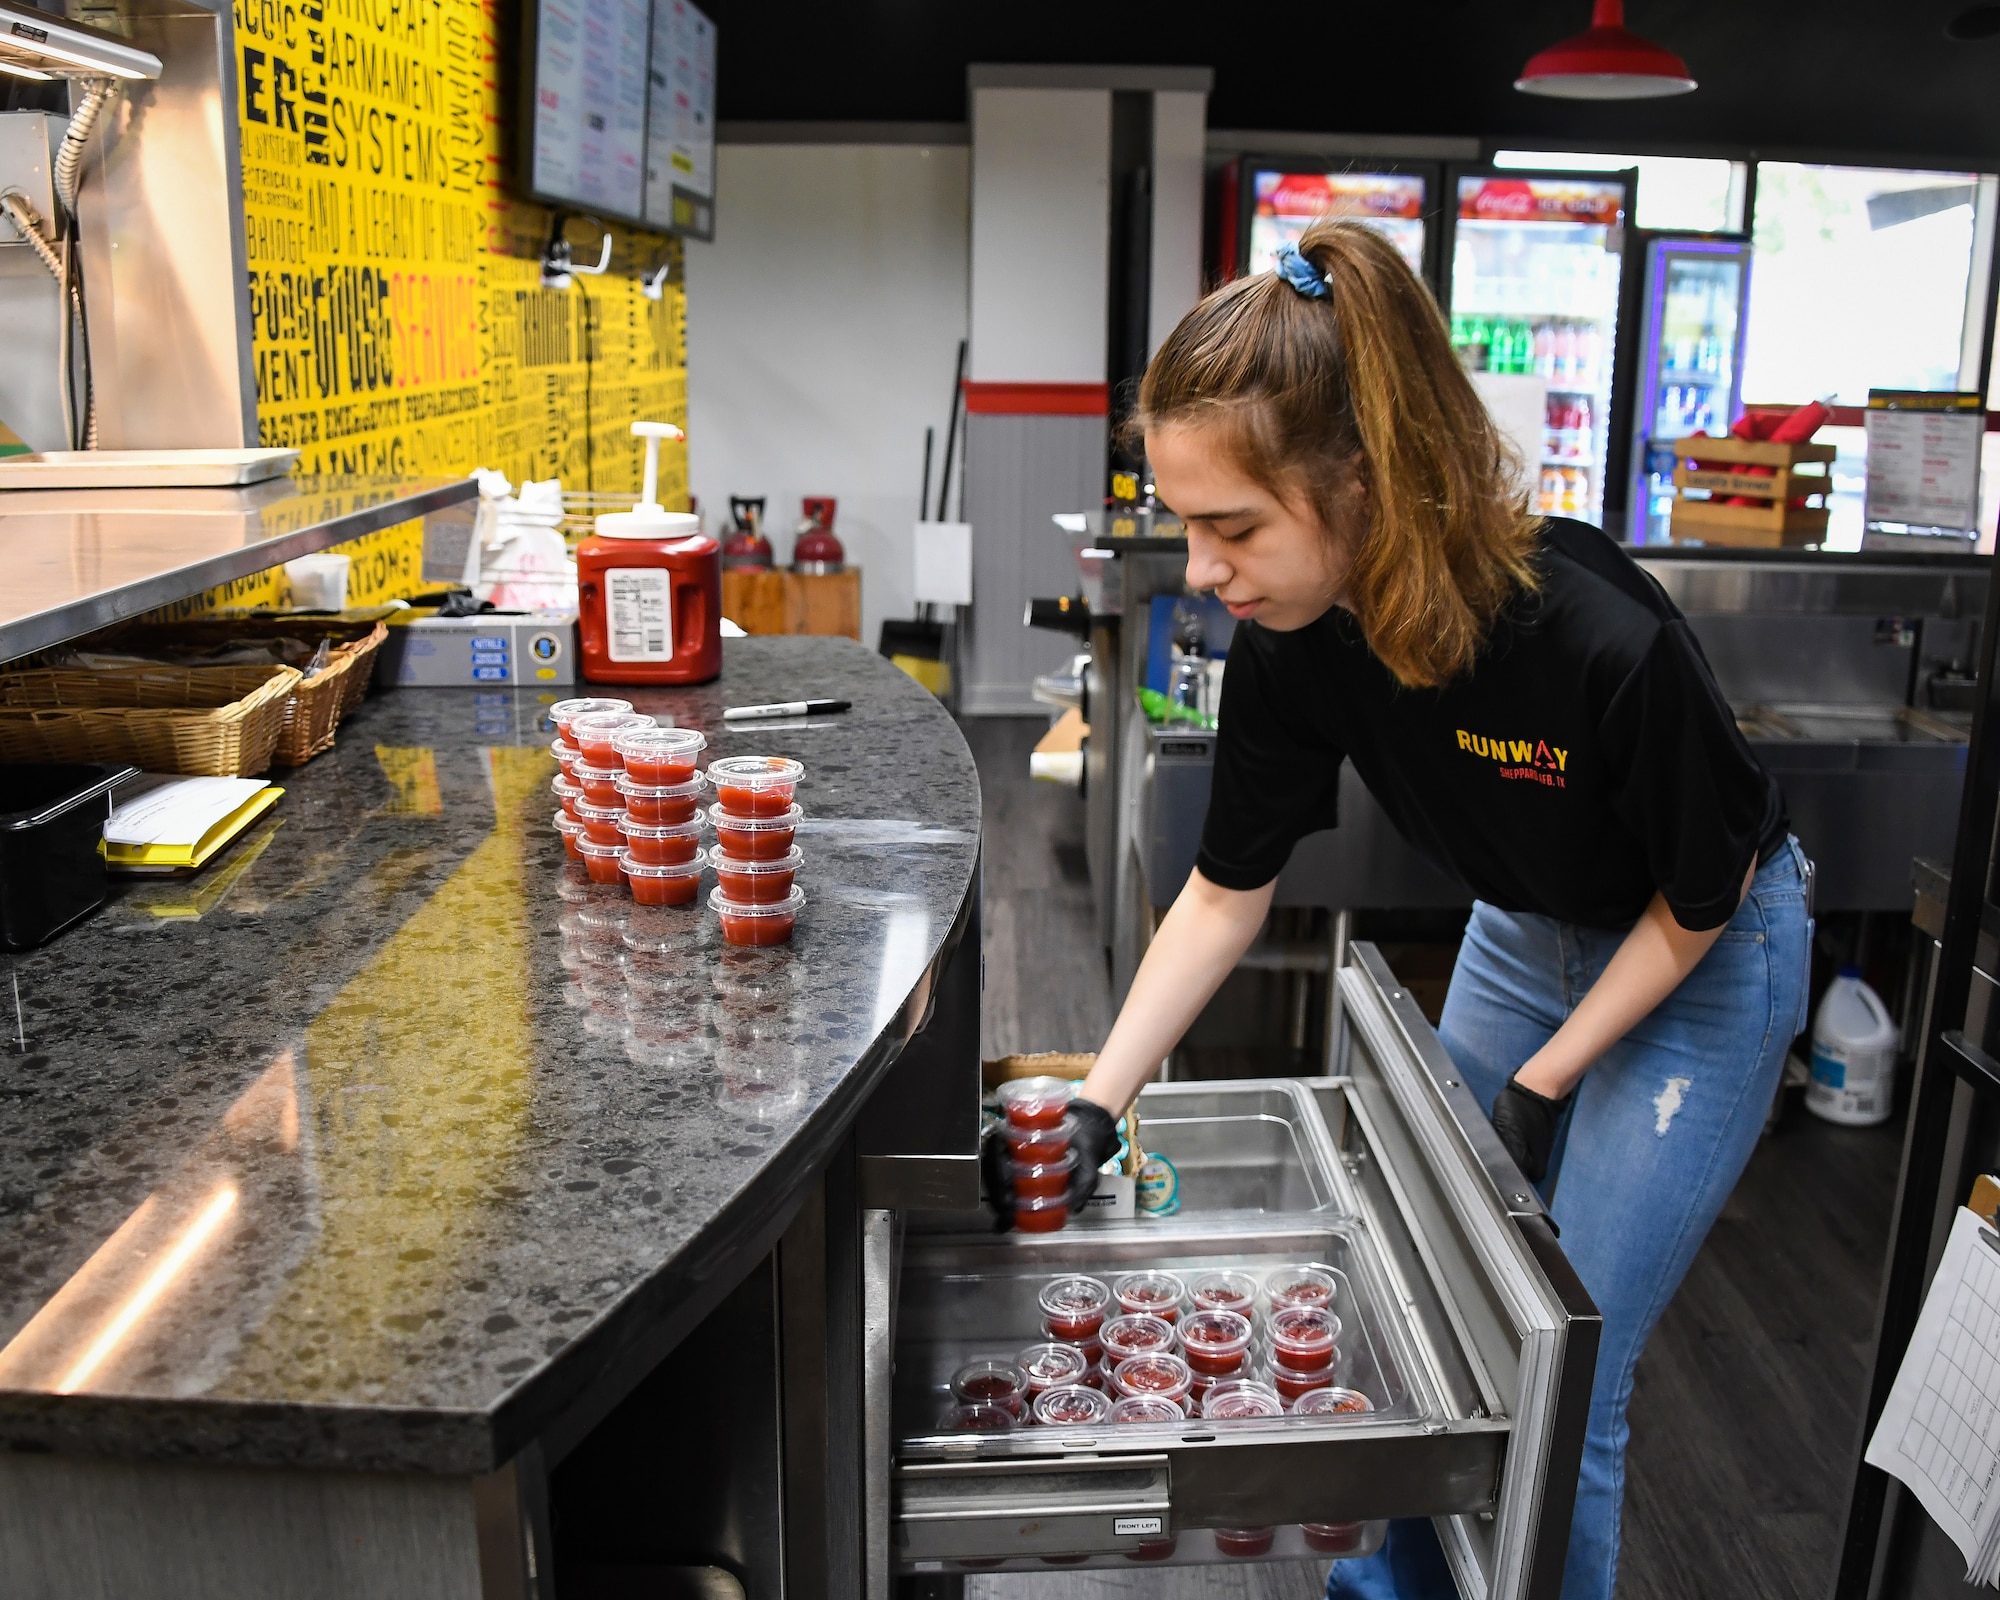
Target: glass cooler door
[
  {"x": 1536, "y": 261},
  {"x": 1462, "y": 1326},
  {"x": 1690, "y": 364}
]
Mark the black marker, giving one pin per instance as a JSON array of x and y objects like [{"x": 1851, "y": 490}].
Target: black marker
[{"x": 785, "y": 708}]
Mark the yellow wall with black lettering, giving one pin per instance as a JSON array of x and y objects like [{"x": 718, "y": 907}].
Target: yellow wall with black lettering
[{"x": 395, "y": 284}]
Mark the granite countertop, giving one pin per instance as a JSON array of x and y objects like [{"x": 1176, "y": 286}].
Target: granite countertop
[{"x": 386, "y": 1139}]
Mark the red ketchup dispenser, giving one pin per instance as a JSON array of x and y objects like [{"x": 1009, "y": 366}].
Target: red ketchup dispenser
[{"x": 649, "y": 588}]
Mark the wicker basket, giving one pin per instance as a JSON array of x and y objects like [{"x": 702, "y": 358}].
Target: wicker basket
[
  {"x": 319, "y": 703},
  {"x": 217, "y": 722}
]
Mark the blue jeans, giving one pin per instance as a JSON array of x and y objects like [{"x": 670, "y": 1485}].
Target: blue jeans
[{"x": 1655, "y": 1138}]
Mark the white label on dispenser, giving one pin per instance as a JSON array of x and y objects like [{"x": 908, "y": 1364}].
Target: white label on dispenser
[
  {"x": 1130, "y": 1527},
  {"x": 638, "y": 605}
]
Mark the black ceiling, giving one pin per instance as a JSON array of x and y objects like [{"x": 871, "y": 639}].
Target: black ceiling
[{"x": 1830, "y": 76}]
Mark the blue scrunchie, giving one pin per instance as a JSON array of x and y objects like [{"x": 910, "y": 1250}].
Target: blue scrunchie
[{"x": 1301, "y": 274}]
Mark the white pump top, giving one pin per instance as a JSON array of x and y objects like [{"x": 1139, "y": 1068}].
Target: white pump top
[{"x": 649, "y": 519}]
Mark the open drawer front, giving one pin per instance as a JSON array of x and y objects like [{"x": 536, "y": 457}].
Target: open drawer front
[{"x": 1462, "y": 1325}]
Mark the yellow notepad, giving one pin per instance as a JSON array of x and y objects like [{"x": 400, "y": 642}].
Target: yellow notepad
[{"x": 167, "y": 824}]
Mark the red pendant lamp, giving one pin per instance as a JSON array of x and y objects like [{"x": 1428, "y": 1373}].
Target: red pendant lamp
[{"x": 1609, "y": 62}]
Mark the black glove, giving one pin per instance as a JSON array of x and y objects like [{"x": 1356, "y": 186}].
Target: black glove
[
  {"x": 1093, "y": 1141},
  {"x": 1092, "y": 1144},
  {"x": 1527, "y": 1124}
]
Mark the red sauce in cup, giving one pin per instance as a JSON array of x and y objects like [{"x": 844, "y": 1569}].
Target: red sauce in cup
[
  {"x": 1052, "y": 1366},
  {"x": 1152, "y": 1550},
  {"x": 564, "y": 712},
  {"x": 1074, "y": 1308},
  {"x": 650, "y": 802},
  {"x": 593, "y": 735},
  {"x": 755, "y": 786},
  {"x": 661, "y": 844},
  {"x": 1162, "y": 1374},
  {"x": 1241, "y": 1401},
  {"x": 1039, "y": 1146},
  {"x": 757, "y": 838},
  {"x": 1157, "y": 1294},
  {"x": 1041, "y": 1213},
  {"x": 1135, "y": 1334},
  {"x": 566, "y": 755},
  {"x": 662, "y": 883},
  {"x": 754, "y": 881},
  {"x": 572, "y": 835},
  {"x": 600, "y": 823},
  {"x": 1303, "y": 1337},
  {"x": 1040, "y": 1181},
  {"x": 978, "y": 1417},
  {"x": 1225, "y": 1291},
  {"x": 1215, "y": 1341},
  {"x": 1334, "y": 1538},
  {"x": 1071, "y": 1405},
  {"x": 750, "y": 924},
  {"x": 1244, "y": 1541},
  {"x": 1148, "y": 1408},
  {"x": 602, "y": 861},
  {"x": 1299, "y": 1286},
  {"x": 1035, "y": 1103},
  {"x": 1326, "y": 1401},
  {"x": 599, "y": 784},
  {"x": 658, "y": 757},
  {"x": 990, "y": 1382},
  {"x": 1295, "y": 1385}
]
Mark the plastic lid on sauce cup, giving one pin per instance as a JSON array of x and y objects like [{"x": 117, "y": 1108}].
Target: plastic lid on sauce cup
[
  {"x": 723, "y": 861},
  {"x": 976, "y": 1418},
  {"x": 1241, "y": 1400},
  {"x": 565, "y": 786},
  {"x": 1158, "y": 1293},
  {"x": 564, "y": 712},
  {"x": 1071, "y": 1405},
  {"x": 788, "y": 818},
  {"x": 1075, "y": 1298},
  {"x": 1043, "y": 1177},
  {"x": 1039, "y": 1213},
  {"x": 608, "y": 816},
  {"x": 1051, "y": 1365},
  {"x": 1032, "y": 1097},
  {"x": 756, "y": 772},
  {"x": 1332, "y": 1403},
  {"x": 653, "y": 742},
  {"x": 1148, "y": 1408},
  {"x": 1161, "y": 1373},
  {"x": 1299, "y": 1286},
  {"x": 1135, "y": 1334},
  {"x": 562, "y": 749},
  {"x": 661, "y": 869},
  {"x": 1223, "y": 1291},
  {"x": 990, "y": 1381},
  {"x": 1305, "y": 1333},
  {"x": 1215, "y": 1333},
  {"x": 634, "y": 829},
  {"x": 568, "y": 826},
  {"x": 628, "y": 785},
  {"x": 602, "y": 860},
  {"x": 1049, "y": 1142},
  {"x": 790, "y": 906},
  {"x": 601, "y": 727}
]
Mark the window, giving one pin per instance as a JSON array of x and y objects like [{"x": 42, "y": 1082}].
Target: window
[
  {"x": 1863, "y": 277},
  {"x": 1681, "y": 192}
]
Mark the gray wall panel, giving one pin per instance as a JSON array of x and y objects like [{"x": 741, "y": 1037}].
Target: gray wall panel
[{"x": 1019, "y": 472}]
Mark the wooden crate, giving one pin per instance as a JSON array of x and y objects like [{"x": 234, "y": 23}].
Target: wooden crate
[
  {"x": 1716, "y": 466},
  {"x": 773, "y": 600}
]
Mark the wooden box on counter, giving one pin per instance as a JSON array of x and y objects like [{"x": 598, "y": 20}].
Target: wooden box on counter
[
  {"x": 773, "y": 600},
  {"x": 1716, "y": 467}
]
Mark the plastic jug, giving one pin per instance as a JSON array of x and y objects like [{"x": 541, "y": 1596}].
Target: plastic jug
[
  {"x": 649, "y": 588},
  {"x": 1853, "y": 1054}
]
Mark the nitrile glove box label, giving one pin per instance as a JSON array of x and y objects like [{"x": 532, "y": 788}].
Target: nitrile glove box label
[{"x": 446, "y": 652}]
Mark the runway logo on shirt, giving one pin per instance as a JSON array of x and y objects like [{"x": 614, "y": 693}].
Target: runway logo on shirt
[{"x": 1535, "y": 760}]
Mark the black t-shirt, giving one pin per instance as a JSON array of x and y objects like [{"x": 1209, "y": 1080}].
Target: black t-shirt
[{"x": 1585, "y": 761}]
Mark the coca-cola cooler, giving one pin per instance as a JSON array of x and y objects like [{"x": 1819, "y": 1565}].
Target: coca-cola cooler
[
  {"x": 1536, "y": 263},
  {"x": 1265, "y": 202}
]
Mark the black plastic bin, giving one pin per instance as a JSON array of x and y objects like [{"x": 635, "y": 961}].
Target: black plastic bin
[{"x": 51, "y": 819}]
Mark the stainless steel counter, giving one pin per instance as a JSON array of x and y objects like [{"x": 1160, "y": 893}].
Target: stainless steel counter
[{"x": 79, "y": 559}]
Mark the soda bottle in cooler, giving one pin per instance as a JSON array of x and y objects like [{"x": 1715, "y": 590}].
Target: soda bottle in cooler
[
  {"x": 1585, "y": 434},
  {"x": 1565, "y": 353}
]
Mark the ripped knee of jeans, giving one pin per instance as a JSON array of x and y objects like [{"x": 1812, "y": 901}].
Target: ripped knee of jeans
[{"x": 1667, "y": 1103}]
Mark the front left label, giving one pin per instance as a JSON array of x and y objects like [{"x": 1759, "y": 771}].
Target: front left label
[{"x": 639, "y": 614}]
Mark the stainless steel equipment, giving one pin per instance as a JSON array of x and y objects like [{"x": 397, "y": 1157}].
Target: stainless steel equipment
[
  {"x": 1846, "y": 671},
  {"x": 1463, "y": 1324}
]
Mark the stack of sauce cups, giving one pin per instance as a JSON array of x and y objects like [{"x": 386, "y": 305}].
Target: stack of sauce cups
[
  {"x": 569, "y": 792},
  {"x": 1038, "y": 1131},
  {"x": 592, "y": 766},
  {"x": 755, "y": 817},
  {"x": 660, "y": 791}
]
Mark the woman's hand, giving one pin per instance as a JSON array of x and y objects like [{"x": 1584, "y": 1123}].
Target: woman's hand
[
  {"x": 1656, "y": 955},
  {"x": 1197, "y": 946}
]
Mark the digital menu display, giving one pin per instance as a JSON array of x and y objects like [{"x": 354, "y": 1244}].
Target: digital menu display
[{"x": 622, "y": 110}]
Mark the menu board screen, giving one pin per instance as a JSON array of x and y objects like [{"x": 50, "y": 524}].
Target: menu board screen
[{"x": 622, "y": 109}]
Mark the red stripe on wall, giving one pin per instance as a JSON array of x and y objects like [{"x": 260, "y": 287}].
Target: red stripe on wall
[{"x": 1037, "y": 399}]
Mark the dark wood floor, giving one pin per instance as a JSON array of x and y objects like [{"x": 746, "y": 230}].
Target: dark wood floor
[{"x": 1747, "y": 1402}]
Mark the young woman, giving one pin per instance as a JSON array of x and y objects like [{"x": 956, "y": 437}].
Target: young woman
[{"x": 1536, "y": 718}]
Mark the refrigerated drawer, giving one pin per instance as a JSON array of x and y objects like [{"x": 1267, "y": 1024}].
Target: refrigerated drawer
[{"x": 1461, "y": 1324}]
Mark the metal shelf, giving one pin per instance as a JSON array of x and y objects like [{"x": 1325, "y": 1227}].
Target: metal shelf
[{"x": 80, "y": 559}]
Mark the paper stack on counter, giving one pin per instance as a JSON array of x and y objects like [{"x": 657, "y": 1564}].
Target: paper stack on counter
[
  {"x": 164, "y": 823},
  {"x": 1940, "y": 1431}
]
